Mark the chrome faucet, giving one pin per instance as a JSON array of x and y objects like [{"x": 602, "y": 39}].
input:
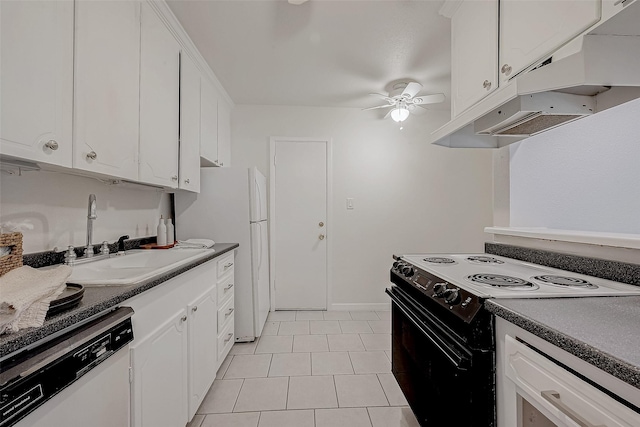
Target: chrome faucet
[{"x": 91, "y": 216}]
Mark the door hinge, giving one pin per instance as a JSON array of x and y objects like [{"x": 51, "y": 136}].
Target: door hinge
[{"x": 130, "y": 374}]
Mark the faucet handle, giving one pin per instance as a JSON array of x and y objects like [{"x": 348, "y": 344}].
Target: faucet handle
[
  {"x": 70, "y": 256},
  {"x": 121, "y": 242},
  {"x": 104, "y": 249}
]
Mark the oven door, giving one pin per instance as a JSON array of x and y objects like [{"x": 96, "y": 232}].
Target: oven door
[{"x": 444, "y": 381}]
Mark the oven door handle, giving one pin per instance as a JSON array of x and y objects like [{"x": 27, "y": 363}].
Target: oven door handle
[{"x": 459, "y": 361}]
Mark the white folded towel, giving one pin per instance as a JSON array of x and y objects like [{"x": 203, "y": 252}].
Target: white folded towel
[
  {"x": 25, "y": 295},
  {"x": 195, "y": 244}
]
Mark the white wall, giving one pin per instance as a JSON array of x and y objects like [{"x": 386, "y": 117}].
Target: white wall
[
  {"x": 409, "y": 195},
  {"x": 56, "y": 204},
  {"x": 582, "y": 176}
]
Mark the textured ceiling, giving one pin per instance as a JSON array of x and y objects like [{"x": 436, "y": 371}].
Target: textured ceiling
[{"x": 328, "y": 53}]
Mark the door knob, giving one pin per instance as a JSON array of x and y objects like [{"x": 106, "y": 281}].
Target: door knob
[
  {"x": 321, "y": 237},
  {"x": 321, "y": 224}
]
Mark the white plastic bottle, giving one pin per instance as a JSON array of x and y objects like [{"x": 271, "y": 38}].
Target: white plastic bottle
[
  {"x": 171, "y": 237},
  {"x": 161, "y": 240}
]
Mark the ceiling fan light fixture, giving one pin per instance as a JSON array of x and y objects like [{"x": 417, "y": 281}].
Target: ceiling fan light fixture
[{"x": 400, "y": 114}]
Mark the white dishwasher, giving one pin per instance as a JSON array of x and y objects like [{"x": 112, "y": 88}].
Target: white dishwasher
[{"x": 79, "y": 379}]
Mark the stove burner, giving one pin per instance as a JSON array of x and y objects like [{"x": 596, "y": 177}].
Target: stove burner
[
  {"x": 573, "y": 282},
  {"x": 482, "y": 259},
  {"x": 439, "y": 260},
  {"x": 500, "y": 281}
]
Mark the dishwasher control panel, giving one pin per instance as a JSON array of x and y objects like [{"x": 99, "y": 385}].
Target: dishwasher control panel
[{"x": 31, "y": 379}]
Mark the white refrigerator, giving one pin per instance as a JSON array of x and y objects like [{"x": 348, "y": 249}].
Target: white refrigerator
[{"x": 232, "y": 208}]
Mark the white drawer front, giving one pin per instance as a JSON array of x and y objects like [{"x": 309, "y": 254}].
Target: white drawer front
[
  {"x": 225, "y": 288},
  {"x": 225, "y": 315},
  {"x": 536, "y": 377},
  {"x": 225, "y": 264},
  {"x": 225, "y": 341}
]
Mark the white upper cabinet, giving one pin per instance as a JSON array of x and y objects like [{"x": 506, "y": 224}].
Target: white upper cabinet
[
  {"x": 36, "y": 80},
  {"x": 474, "y": 55},
  {"x": 189, "y": 125},
  {"x": 159, "y": 101},
  {"x": 531, "y": 30},
  {"x": 224, "y": 133},
  {"x": 208, "y": 124},
  {"x": 107, "y": 90}
]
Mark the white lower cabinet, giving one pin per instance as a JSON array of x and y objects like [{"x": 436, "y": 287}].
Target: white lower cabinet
[
  {"x": 159, "y": 386},
  {"x": 203, "y": 354},
  {"x": 174, "y": 365}
]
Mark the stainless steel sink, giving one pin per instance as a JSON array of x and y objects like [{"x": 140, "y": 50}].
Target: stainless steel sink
[{"x": 135, "y": 267}]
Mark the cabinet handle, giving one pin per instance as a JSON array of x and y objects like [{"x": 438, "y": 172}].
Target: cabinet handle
[
  {"x": 52, "y": 145},
  {"x": 174, "y": 178},
  {"x": 229, "y": 336},
  {"x": 221, "y": 164},
  {"x": 195, "y": 308},
  {"x": 186, "y": 181},
  {"x": 92, "y": 155},
  {"x": 506, "y": 69},
  {"x": 486, "y": 84},
  {"x": 554, "y": 398},
  {"x": 227, "y": 265},
  {"x": 183, "y": 318},
  {"x": 229, "y": 286},
  {"x": 228, "y": 313}
]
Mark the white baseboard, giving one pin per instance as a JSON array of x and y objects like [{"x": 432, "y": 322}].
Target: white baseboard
[{"x": 381, "y": 306}]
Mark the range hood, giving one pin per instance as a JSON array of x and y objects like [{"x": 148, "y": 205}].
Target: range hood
[{"x": 601, "y": 71}]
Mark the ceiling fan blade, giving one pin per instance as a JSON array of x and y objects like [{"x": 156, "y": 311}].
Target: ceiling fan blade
[
  {"x": 428, "y": 99},
  {"x": 385, "y": 97},
  {"x": 388, "y": 114},
  {"x": 417, "y": 110},
  {"x": 411, "y": 90},
  {"x": 375, "y": 108}
]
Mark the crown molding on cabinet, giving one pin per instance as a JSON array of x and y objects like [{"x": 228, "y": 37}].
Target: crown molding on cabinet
[{"x": 185, "y": 41}]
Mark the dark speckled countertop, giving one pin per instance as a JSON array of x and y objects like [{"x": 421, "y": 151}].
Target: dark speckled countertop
[
  {"x": 96, "y": 300},
  {"x": 603, "y": 331}
]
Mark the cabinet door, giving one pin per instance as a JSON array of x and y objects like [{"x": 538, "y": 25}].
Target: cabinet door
[
  {"x": 159, "y": 387},
  {"x": 474, "y": 53},
  {"x": 189, "y": 124},
  {"x": 208, "y": 123},
  {"x": 36, "y": 80},
  {"x": 159, "y": 101},
  {"x": 532, "y": 29},
  {"x": 202, "y": 347},
  {"x": 107, "y": 89},
  {"x": 224, "y": 133}
]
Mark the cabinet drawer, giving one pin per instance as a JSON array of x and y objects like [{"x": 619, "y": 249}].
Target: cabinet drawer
[
  {"x": 225, "y": 341},
  {"x": 225, "y": 264},
  {"x": 225, "y": 288},
  {"x": 225, "y": 314},
  {"x": 558, "y": 393}
]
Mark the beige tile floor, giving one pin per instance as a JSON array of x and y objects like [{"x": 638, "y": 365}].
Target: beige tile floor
[{"x": 310, "y": 369}]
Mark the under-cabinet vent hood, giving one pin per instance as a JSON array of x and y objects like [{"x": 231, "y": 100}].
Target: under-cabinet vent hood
[{"x": 602, "y": 71}]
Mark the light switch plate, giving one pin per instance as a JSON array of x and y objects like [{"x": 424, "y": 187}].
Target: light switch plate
[{"x": 349, "y": 203}]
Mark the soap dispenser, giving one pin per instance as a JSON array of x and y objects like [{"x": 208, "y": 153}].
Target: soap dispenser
[{"x": 161, "y": 240}]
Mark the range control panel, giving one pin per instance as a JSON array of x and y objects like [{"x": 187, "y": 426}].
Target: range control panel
[{"x": 458, "y": 301}]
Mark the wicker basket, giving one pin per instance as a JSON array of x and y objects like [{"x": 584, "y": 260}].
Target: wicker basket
[{"x": 14, "y": 259}]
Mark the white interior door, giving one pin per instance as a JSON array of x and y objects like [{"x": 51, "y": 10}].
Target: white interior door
[{"x": 300, "y": 216}]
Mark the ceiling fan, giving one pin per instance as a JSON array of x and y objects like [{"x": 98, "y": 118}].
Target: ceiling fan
[{"x": 404, "y": 99}]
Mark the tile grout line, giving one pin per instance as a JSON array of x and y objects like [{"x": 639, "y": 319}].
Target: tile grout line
[
  {"x": 237, "y": 397},
  {"x": 383, "y": 390},
  {"x": 335, "y": 388},
  {"x": 369, "y": 415}
]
